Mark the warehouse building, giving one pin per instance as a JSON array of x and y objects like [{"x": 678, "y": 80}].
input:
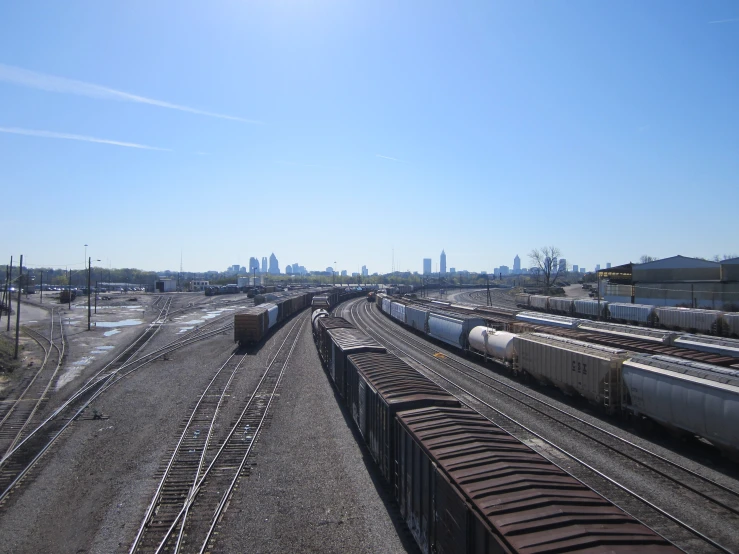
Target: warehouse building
[
  {"x": 165, "y": 285},
  {"x": 676, "y": 281},
  {"x": 199, "y": 285}
]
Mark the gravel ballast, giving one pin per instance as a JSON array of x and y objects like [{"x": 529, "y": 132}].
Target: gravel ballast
[{"x": 312, "y": 488}]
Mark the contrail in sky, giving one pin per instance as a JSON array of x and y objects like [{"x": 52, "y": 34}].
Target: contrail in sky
[
  {"x": 32, "y": 79},
  {"x": 67, "y": 136},
  {"x": 387, "y": 157}
]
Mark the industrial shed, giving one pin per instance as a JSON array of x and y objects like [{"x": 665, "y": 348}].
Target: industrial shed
[
  {"x": 165, "y": 285},
  {"x": 676, "y": 269},
  {"x": 730, "y": 270},
  {"x": 677, "y": 281}
]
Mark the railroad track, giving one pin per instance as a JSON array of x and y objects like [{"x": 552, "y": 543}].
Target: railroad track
[
  {"x": 697, "y": 497},
  {"x": 19, "y": 459},
  {"x": 16, "y": 415},
  {"x": 202, "y": 472}
]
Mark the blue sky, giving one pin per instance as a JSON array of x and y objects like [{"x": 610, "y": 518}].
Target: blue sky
[{"x": 340, "y": 131}]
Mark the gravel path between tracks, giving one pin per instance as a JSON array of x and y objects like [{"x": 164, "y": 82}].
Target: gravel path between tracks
[
  {"x": 312, "y": 489},
  {"x": 91, "y": 493}
]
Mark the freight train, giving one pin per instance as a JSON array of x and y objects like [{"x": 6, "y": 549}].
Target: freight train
[
  {"x": 253, "y": 324},
  {"x": 450, "y": 469},
  {"x": 687, "y": 319},
  {"x": 687, "y": 397},
  {"x": 215, "y": 290}
]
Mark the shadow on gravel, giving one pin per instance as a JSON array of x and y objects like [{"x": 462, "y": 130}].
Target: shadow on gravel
[{"x": 384, "y": 490}]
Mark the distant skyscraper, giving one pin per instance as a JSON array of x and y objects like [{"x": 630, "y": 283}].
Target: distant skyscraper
[
  {"x": 608, "y": 265},
  {"x": 562, "y": 265},
  {"x": 516, "y": 264},
  {"x": 343, "y": 272},
  {"x": 296, "y": 269},
  {"x": 264, "y": 264},
  {"x": 365, "y": 271},
  {"x": 503, "y": 270},
  {"x": 427, "y": 266},
  {"x": 452, "y": 270},
  {"x": 575, "y": 268},
  {"x": 274, "y": 267},
  {"x": 253, "y": 264},
  {"x": 597, "y": 267},
  {"x": 289, "y": 269},
  {"x": 442, "y": 263}
]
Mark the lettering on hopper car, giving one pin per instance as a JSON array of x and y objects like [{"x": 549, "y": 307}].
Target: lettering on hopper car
[{"x": 580, "y": 367}]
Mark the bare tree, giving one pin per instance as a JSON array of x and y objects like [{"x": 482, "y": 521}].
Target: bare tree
[
  {"x": 646, "y": 259},
  {"x": 548, "y": 268},
  {"x": 718, "y": 258}
]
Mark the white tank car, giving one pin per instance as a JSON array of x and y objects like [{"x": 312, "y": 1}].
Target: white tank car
[
  {"x": 315, "y": 316},
  {"x": 497, "y": 344}
]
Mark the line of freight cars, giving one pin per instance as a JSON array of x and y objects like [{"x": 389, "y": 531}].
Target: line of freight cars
[
  {"x": 687, "y": 319},
  {"x": 462, "y": 483},
  {"x": 686, "y": 397},
  {"x": 252, "y": 324},
  {"x": 329, "y": 299},
  {"x": 725, "y": 350}
]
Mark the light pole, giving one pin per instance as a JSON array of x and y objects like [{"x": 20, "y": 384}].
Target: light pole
[{"x": 89, "y": 287}]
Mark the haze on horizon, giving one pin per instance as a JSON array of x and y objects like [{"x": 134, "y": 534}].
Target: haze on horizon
[{"x": 350, "y": 134}]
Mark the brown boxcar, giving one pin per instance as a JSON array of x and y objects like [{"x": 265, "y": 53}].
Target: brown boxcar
[
  {"x": 346, "y": 341},
  {"x": 323, "y": 341},
  {"x": 513, "y": 499},
  {"x": 377, "y": 387},
  {"x": 250, "y": 325}
]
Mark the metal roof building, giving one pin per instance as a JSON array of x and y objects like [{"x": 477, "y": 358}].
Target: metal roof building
[
  {"x": 730, "y": 270},
  {"x": 674, "y": 281},
  {"x": 677, "y": 268}
]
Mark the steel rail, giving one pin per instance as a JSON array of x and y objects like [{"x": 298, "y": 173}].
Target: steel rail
[
  {"x": 237, "y": 474},
  {"x": 197, "y": 486},
  {"x": 46, "y": 388},
  {"x": 157, "y": 494}
]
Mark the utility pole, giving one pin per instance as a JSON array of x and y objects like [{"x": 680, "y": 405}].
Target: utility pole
[
  {"x": 18, "y": 310},
  {"x": 89, "y": 312},
  {"x": 42, "y": 287},
  {"x": 7, "y": 289},
  {"x": 69, "y": 290},
  {"x": 597, "y": 273},
  {"x": 487, "y": 279}
]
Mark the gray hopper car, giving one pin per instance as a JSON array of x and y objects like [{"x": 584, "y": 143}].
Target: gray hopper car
[
  {"x": 573, "y": 366},
  {"x": 690, "y": 397}
]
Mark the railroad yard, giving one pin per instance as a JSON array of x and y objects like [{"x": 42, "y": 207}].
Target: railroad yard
[{"x": 154, "y": 431}]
